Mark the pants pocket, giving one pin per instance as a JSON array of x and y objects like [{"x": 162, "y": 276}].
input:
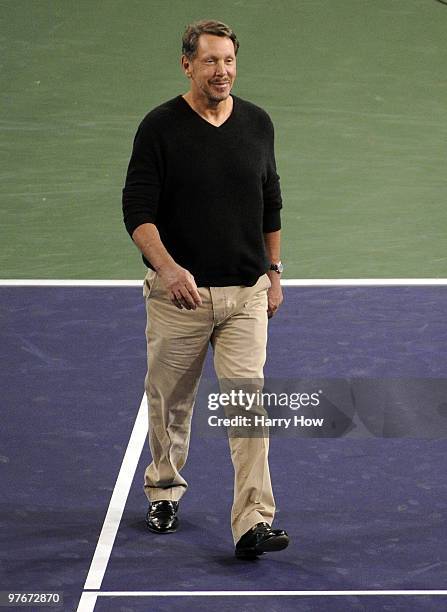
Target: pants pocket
[
  {"x": 269, "y": 282},
  {"x": 149, "y": 282},
  {"x": 264, "y": 282}
]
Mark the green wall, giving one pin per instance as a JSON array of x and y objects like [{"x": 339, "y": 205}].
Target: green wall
[{"x": 357, "y": 90}]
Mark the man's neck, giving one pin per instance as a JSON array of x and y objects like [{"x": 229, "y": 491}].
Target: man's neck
[{"x": 214, "y": 112}]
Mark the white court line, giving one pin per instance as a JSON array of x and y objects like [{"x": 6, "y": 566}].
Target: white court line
[
  {"x": 63, "y": 282},
  {"x": 88, "y": 598},
  {"x": 362, "y": 282},
  {"x": 292, "y": 282},
  {"x": 259, "y": 593},
  {"x": 116, "y": 506}
]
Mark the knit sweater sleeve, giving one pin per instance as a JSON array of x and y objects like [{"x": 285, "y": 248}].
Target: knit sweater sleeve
[
  {"x": 271, "y": 188},
  {"x": 141, "y": 193}
]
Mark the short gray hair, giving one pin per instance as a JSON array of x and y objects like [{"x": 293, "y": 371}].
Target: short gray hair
[{"x": 193, "y": 31}]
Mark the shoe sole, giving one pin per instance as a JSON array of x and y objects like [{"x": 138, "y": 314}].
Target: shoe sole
[
  {"x": 270, "y": 545},
  {"x": 172, "y": 530}
]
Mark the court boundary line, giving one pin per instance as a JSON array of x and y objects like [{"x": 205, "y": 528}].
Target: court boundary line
[
  {"x": 88, "y": 598},
  {"x": 385, "y": 593},
  {"x": 286, "y": 282},
  {"x": 118, "y": 500}
]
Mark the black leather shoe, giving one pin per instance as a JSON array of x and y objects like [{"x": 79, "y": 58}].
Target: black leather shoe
[
  {"x": 260, "y": 539},
  {"x": 162, "y": 516}
]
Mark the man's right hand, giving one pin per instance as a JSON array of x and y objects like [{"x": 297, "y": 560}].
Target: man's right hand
[
  {"x": 180, "y": 285},
  {"x": 177, "y": 281}
]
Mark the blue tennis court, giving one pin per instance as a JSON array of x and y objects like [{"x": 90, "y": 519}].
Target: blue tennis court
[{"x": 366, "y": 514}]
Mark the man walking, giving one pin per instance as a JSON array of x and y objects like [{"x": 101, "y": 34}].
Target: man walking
[{"x": 202, "y": 202}]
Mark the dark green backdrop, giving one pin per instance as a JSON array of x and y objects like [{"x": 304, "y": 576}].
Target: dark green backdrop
[{"x": 357, "y": 90}]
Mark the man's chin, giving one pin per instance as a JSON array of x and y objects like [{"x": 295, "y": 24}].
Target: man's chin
[{"x": 212, "y": 97}]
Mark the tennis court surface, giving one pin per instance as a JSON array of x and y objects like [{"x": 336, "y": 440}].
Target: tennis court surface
[{"x": 356, "y": 91}]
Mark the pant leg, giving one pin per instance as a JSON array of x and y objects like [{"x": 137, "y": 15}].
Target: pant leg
[
  {"x": 177, "y": 342},
  {"x": 239, "y": 344}
]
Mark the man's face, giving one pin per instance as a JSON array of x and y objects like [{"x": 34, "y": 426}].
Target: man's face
[{"x": 213, "y": 69}]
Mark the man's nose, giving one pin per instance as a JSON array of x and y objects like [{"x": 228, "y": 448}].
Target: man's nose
[{"x": 220, "y": 67}]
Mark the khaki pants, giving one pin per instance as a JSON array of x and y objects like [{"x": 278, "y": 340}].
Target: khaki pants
[{"x": 234, "y": 320}]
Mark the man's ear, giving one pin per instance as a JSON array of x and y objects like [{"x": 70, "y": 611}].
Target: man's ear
[{"x": 186, "y": 66}]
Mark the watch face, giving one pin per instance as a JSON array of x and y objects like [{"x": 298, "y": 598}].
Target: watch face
[{"x": 277, "y": 267}]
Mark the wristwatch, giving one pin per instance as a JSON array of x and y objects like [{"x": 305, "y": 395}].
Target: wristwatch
[{"x": 277, "y": 267}]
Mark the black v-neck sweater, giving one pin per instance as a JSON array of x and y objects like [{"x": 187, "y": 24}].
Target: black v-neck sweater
[{"x": 211, "y": 191}]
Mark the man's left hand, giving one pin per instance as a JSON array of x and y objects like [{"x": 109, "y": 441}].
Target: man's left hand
[{"x": 274, "y": 294}]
